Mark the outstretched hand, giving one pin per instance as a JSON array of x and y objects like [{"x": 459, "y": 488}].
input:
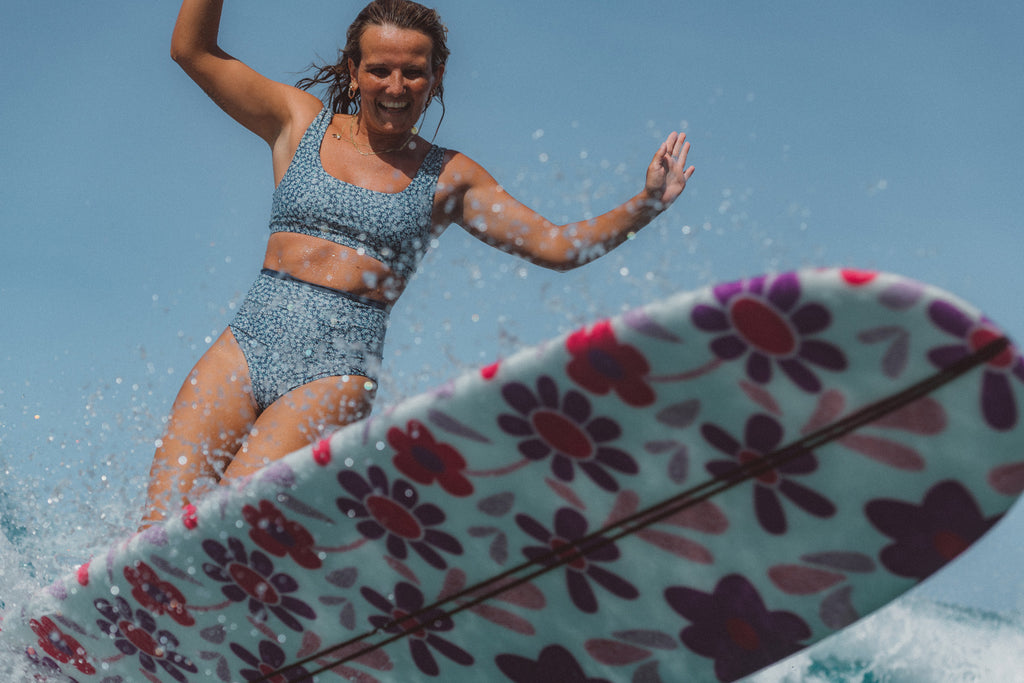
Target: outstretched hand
[{"x": 667, "y": 174}]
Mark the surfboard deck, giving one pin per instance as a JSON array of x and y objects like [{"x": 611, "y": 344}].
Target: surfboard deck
[{"x": 691, "y": 491}]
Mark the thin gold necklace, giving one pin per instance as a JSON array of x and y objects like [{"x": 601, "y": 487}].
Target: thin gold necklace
[{"x": 371, "y": 152}]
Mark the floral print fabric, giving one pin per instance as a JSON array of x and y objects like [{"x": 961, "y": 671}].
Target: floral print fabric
[{"x": 604, "y": 509}]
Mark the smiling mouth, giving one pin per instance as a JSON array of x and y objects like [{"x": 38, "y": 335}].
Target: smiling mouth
[{"x": 393, "y": 106}]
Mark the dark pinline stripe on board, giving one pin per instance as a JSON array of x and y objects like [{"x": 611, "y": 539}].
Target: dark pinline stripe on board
[{"x": 500, "y": 583}]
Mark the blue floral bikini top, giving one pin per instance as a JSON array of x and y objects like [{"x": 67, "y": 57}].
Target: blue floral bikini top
[{"x": 394, "y": 228}]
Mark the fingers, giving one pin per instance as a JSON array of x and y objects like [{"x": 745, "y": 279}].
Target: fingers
[
  {"x": 681, "y": 148},
  {"x": 664, "y": 152}
]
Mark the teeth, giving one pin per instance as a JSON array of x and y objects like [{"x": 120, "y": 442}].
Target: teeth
[{"x": 394, "y": 105}]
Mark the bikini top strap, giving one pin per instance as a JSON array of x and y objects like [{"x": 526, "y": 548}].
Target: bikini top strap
[{"x": 314, "y": 135}]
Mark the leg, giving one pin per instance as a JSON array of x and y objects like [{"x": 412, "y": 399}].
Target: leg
[
  {"x": 209, "y": 419},
  {"x": 299, "y": 418}
]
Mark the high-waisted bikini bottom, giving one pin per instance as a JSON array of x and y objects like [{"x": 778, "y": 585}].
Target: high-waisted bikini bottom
[{"x": 293, "y": 332}]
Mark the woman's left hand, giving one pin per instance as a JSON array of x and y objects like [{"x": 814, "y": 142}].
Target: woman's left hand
[{"x": 667, "y": 174}]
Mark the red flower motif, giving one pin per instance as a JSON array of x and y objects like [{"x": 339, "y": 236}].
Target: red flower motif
[
  {"x": 157, "y": 596},
  {"x": 62, "y": 647},
  {"x": 392, "y": 511},
  {"x": 764, "y": 321},
  {"x": 82, "y": 574},
  {"x": 281, "y": 536},
  {"x": 322, "y": 452},
  {"x": 425, "y": 460},
  {"x": 601, "y": 364},
  {"x": 563, "y": 427},
  {"x": 857, "y": 278},
  {"x": 189, "y": 517}
]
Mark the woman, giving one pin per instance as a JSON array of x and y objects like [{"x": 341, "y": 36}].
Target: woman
[{"x": 359, "y": 196}]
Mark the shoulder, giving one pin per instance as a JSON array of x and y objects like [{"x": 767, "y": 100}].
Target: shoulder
[
  {"x": 462, "y": 185},
  {"x": 460, "y": 171},
  {"x": 303, "y": 108}
]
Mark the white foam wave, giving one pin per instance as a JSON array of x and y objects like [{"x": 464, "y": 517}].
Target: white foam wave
[{"x": 914, "y": 640}]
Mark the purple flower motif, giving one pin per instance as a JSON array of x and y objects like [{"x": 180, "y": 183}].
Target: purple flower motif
[
  {"x": 394, "y": 512},
  {"x": 929, "y": 535},
  {"x": 734, "y": 627},
  {"x": 761, "y": 437},
  {"x": 563, "y": 428},
  {"x": 998, "y": 402},
  {"x": 251, "y": 576},
  {"x": 570, "y": 526},
  {"x": 421, "y": 626},
  {"x": 135, "y": 635},
  {"x": 271, "y": 658},
  {"x": 763, "y": 320},
  {"x": 50, "y": 669},
  {"x": 555, "y": 665}
]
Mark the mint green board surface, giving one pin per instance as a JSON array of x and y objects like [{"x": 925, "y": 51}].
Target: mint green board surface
[{"x": 688, "y": 492}]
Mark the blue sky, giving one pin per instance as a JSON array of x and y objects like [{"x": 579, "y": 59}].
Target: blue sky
[{"x": 872, "y": 134}]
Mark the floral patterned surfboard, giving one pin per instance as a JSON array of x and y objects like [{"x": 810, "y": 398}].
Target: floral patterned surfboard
[{"x": 691, "y": 491}]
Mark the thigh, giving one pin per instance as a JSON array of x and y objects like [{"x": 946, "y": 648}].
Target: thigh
[
  {"x": 300, "y": 417},
  {"x": 210, "y": 417},
  {"x": 215, "y": 406}
]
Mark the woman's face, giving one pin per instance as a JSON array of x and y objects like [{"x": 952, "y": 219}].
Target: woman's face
[{"x": 394, "y": 78}]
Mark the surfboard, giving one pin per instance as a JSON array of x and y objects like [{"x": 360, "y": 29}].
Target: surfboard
[{"x": 689, "y": 491}]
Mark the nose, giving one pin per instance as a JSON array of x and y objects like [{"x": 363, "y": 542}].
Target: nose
[{"x": 396, "y": 83}]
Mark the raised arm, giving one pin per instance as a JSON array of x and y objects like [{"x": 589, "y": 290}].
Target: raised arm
[
  {"x": 262, "y": 105},
  {"x": 480, "y": 205}
]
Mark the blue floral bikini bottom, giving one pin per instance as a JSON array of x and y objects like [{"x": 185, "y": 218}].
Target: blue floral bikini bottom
[{"x": 293, "y": 332}]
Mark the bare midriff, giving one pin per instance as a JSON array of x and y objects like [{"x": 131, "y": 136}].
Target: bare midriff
[{"x": 320, "y": 262}]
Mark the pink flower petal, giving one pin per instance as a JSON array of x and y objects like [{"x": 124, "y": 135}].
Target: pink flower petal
[
  {"x": 706, "y": 517},
  {"x": 402, "y": 569},
  {"x": 525, "y": 595},
  {"x": 798, "y": 580},
  {"x": 924, "y": 416},
  {"x": 1008, "y": 479},
  {"x": 885, "y": 451},
  {"x": 504, "y": 618},
  {"x": 761, "y": 397},
  {"x": 454, "y": 581},
  {"x": 566, "y": 494},
  {"x": 614, "y": 653},
  {"x": 311, "y": 644},
  {"x": 677, "y": 545},
  {"x": 626, "y": 504},
  {"x": 830, "y": 407}
]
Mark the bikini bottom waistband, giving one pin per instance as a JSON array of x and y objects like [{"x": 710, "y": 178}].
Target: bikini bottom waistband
[{"x": 373, "y": 303}]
